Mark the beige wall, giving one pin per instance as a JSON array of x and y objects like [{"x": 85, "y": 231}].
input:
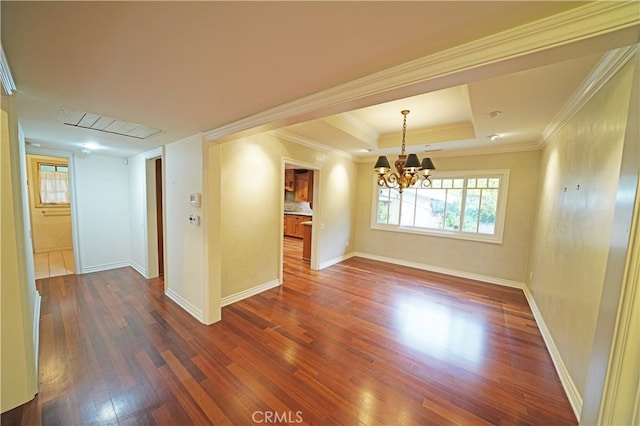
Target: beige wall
[
  {"x": 250, "y": 207},
  {"x": 506, "y": 261},
  {"x": 573, "y": 227},
  {"x": 621, "y": 396},
  {"x": 18, "y": 299},
  {"x": 51, "y": 226},
  {"x": 612, "y": 392}
]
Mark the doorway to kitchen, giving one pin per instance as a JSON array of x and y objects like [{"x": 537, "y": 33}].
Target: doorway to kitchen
[{"x": 300, "y": 207}]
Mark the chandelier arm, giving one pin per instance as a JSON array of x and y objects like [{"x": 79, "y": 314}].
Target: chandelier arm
[
  {"x": 390, "y": 180},
  {"x": 425, "y": 182}
]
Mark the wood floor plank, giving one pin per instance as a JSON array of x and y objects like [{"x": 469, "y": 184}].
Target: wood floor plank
[
  {"x": 204, "y": 401},
  {"x": 361, "y": 342}
]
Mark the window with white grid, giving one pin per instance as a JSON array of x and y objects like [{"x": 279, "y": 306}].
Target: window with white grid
[{"x": 468, "y": 205}]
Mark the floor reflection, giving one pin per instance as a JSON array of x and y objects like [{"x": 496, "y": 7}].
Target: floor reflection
[{"x": 440, "y": 331}]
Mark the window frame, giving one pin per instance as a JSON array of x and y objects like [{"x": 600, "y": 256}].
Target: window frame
[
  {"x": 501, "y": 209},
  {"x": 36, "y": 163}
]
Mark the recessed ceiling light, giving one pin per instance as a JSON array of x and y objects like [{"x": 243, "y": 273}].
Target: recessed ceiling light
[
  {"x": 91, "y": 145},
  {"x": 493, "y": 137},
  {"x": 494, "y": 114}
]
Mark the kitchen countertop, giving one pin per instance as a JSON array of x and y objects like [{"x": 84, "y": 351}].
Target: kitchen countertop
[{"x": 300, "y": 213}]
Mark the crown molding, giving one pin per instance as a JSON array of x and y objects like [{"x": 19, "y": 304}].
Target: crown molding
[
  {"x": 606, "y": 68},
  {"x": 532, "y": 146},
  {"x": 284, "y": 134},
  {"x": 464, "y": 152},
  {"x": 352, "y": 127},
  {"x": 430, "y": 135},
  {"x": 6, "y": 78},
  {"x": 593, "y": 19},
  {"x": 355, "y": 123}
]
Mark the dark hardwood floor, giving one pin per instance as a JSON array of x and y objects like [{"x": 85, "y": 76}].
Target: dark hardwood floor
[{"x": 361, "y": 342}]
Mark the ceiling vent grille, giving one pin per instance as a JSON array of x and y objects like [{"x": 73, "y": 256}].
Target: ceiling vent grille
[{"x": 104, "y": 124}]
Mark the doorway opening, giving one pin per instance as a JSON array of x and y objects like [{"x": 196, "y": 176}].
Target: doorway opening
[
  {"x": 155, "y": 260},
  {"x": 49, "y": 193},
  {"x": 159, "y": 217},
  {"x": 300, "y": 206}
]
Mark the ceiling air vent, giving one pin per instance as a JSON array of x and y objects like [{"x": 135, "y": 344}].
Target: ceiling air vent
[{"x": 101, "y": 123}]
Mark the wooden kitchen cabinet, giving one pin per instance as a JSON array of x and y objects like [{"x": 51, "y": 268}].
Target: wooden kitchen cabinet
[
  {"x": 289, "y": 180},
  {"x": 304, "y": 186},
  {"x": 293, "y": 225}
]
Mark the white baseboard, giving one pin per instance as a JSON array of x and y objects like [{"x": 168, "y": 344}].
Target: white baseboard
[
  {"x": 104, "y": 267},
  {"x": 335, "y": 260},
  {"x": 248, "y": 293},
  {"x": 185, "y": 304},
  {"x": 565, "y": 378},
  {"x": 446, "y": 271},
  {"x": 135, "y": 265}
]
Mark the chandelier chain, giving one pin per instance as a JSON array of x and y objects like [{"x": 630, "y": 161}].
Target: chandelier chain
[{"x": 404, "y": 129}]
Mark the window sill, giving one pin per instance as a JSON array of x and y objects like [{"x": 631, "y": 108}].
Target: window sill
[{"x": 482, "y": 238}]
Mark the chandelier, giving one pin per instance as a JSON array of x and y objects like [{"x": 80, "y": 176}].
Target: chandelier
[{"x": 409, "y": 169}]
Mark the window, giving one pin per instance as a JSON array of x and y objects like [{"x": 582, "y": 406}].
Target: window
[
  {"x": 53, "y": 183},
  {"x": 468, "y": 205}
]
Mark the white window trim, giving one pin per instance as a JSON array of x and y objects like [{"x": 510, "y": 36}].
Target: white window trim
[{"x": 500, "y": 213}]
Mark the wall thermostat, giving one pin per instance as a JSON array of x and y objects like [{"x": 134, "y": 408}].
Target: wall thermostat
[{"x": 194, "y": 199}]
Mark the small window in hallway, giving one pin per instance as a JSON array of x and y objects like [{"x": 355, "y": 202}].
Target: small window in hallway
[{"x": 53, "y": 180}]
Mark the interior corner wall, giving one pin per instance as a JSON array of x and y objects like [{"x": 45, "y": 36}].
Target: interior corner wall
[
  {"x": 184, "y": 242},
  {"x": 251, "y": 196},
  {"x": 506, "y": 262},
  {"x": 578, "y": 182},
  {"x": 102, "y": 205},
  {"x": 18, "y": 299}
]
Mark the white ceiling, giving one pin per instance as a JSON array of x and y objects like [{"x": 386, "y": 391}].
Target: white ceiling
[{"x": 189, "y": 67}]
